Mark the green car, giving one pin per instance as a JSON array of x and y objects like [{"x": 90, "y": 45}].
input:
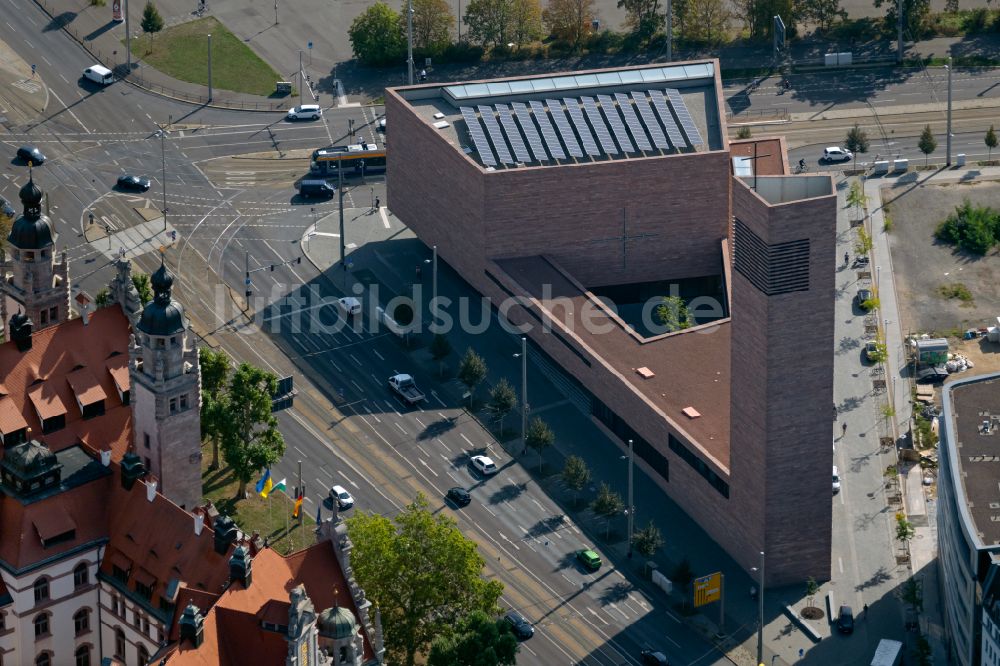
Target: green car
[{"x": 589, "y": 559}]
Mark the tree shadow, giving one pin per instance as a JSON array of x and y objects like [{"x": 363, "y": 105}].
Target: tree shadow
[
  {"x": 880, "y": 576},
  {"x": 848, "y": 344},
  {"x": 438, "y": 428},
  {"x": 216, "y": 479},
  {"x": 617, "y": 593},
  {"x": 59, "y": 21},
  {"x": 546, "y": 526},
  {"x": 509, "y": 492}
]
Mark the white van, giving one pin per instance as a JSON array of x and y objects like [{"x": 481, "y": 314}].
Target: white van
[
  {"x": 99, "y": 74},
  {"x": 349, "y": 306}
]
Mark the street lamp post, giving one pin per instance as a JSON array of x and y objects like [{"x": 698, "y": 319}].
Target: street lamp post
[
  {"x": 210, "y": 68},
  {"x": 302, "y": 83},
  {"x": 275, "y": 12},
  {"x": 163, "y": 167},
  {"x": 760, "y": 610},
  {"x": 949, "y": 111},
  {"x": 340, "y": 193},
  {"x": 631, "y": 503},
  {"x": 409, "y": 41},
  {"x": 128, "y": 44},
  {"x": 524, "y": 394}
]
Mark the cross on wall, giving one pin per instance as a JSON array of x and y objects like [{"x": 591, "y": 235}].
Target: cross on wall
[{"x": 624, "y": 238}]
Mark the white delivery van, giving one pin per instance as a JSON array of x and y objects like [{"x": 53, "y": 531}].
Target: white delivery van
[{"x": 99, "y": 74}]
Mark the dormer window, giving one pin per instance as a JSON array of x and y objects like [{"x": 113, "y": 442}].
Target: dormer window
[
  {"x": 121, "y": 575},
  {"x": 29, "y": 255}
]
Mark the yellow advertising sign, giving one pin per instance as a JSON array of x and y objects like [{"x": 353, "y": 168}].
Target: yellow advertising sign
[{"x": 707, "y": 589}]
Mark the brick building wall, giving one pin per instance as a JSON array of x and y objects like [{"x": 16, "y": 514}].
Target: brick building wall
[{"x": 782, "y": 382}]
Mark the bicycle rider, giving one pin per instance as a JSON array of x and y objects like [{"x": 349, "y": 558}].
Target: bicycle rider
[{"x": 802, "y": 165}]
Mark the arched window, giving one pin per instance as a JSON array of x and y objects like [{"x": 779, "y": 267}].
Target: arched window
[
  {"x": 81, "y": 575},
  {"x": 41, "y": 623},
  {"x": 41, "y": 590},
  {"x": 81, "y": 621},
  {"x": 82, "y": 655},
  {"x": 44, "y": 659},
  {"x": 119, "y": 644},
  {"x": 143, "y": 655}
]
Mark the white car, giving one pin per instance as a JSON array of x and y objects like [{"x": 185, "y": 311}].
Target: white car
[
  {"x": 484, "y": 465},
  {"x": 836, "y": 480},
  {"x": 305, "y": 112},
  {"x": 343, "y": 498},
  {"x": 835, "y": 154},
  {"x": 349, "y": 305}
]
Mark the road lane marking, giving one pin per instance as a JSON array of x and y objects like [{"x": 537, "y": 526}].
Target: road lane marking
[
  {"x": 468, "y": 441},
  {"x": 355, "y": 359},
  {"x": 443, "y": 445},
  {"x": 422, "y": 450},
  {"x": 357, "y": 386},
  {"x": 595, "y": 613},
  {"x": 85, "y": 129},
  {"x": 381, "y": 358},
  {"x": 417, "y": 419},
  {"x": 489, "y": 510},
  {"x": 507, "y": 539},
  {"x": 385, "y": 219},
  {"x": 438, "y": 399},
  {"x": 424, "y": 463},
  {"x": 401, "y": 429}
]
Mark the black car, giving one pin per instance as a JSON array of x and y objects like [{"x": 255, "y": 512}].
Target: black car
[
  {"x": 127, "y": 182},
  {"x": 932, "y": 375},
  {"x": 863, "y": 296},
  {"x": 30, "y": 154},
  {"x": 459, "y": 496},
  {"x": 845, "y": 620},
  {"x": 521, "y": 627},
  {"x": 653, "y": 658}
]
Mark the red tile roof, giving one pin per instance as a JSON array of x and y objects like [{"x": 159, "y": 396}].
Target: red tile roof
[
  {"x": 10, "y": 416},
  {"x": 85, "y": 387},
  {"x": 232, "y": 627},
  {"x": 38, "y": 381}
]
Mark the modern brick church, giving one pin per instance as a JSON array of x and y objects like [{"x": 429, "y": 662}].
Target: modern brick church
[{"x": 586, "y": 196}]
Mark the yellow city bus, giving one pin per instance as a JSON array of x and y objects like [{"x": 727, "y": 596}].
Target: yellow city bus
[{"x": 354, "y": 160}]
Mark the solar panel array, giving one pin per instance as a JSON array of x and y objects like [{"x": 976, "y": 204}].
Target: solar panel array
[
  {"x": 600, "y": 128},
  {"x": 687, "y": 122},
  {"x": 478, "y": 138},
  {"x": 548, "y": 132},
  {"x": 649, "y": 126},
  {"x": 565, "y": 131},
  {"x": 616, "y": 123},
  {"x": 528, "y": 127},
  {"x": 486, "y": 113},
  {"x": 638, "y": 133},
  {"x": 660, "y": 104},
  {"x": 586, "y": 136},
  {"x": 507, "y": 120}
]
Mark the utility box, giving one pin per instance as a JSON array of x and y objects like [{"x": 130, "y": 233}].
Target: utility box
[
  {"x": 837, "y": 59},
  {"x": 880, "y": 167},
  {"x": 283, "y": 88},
  {"x": 900, "y": 165},
  {"x": 960, "y": 160}
]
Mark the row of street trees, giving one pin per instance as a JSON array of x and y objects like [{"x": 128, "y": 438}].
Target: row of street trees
[{"x": 858, "y": 143}]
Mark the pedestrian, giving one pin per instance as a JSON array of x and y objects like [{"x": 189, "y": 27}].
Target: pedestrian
[
  {"x": 866, "y": 612},
  {"x": 423, "y": 75},
  {"x": 378, "y": 203},
  {"x": 847, "y": 258},
  {"x": 844, "y": 427}
]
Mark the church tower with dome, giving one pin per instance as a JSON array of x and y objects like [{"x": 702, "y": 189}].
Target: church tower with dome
[
  {"x": 31, "y": 280},
  {"x": 166, "y": 394}
]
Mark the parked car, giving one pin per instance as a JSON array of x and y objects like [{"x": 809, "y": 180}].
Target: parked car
[
  {"x": 845, "y": 620},
  {"x": 304, "y": 112},
  {"x": 932, "y": 375},
  {"x": 30, "y": 154},
  {"x": 589, "y": 559},
  {"x": 343, "y": 498},
  {"x": 521, "y": 627},
  {"x": 837, "y": 154},
  {"x": 863, "y": 296},
  {"x": 459, "y": 496},
  {"x": 871, "y": 350},
  {"x": 836, "y": 480},
  {"x": 128, "y": 182},
  {"x": 652, "y": 658},
  {"x": 484, "y": 465},
  {"x": 315, "y": 188}
]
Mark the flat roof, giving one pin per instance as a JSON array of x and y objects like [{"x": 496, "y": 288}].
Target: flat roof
[
  {"x": 674, "y": 372},
  {"x": 581, "y": 117},
  {"x": 977, "y": 452}
]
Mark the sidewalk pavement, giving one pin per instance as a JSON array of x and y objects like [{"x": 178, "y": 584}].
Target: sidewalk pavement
[
  {"x": 920, "y": 511},
  {"x": 23, "y": 97}
]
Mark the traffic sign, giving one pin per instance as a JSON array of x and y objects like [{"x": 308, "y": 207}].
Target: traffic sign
[
  {"x": 310, "y": 45},
  {"x": 707, "y": 589}
]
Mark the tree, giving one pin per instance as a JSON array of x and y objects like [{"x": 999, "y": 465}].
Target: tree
[
  {"x": 812, "y": 587},
  {"x": 608, "y": 504},
  {"x": 924, "y": 652},
  {"x": 821, "y": 12},
  {"x": 648, "y": 540},
  {"x": 103, "y": 298},
  {"x": 569, "y": 20},
  {"x": 913, "y": 595},
  {"x": 856, "y": 195},
  {"x": 141, "y": 283},
  {"x": 526, "y": 21},
  {"x": 642, "y": 17},
  {"x": 503, "y": 400},
  {"x": 489, "y": 21},
  {"x": 152, "y": 22},
  {"x": 706, "y": 21},
  {"x": 743, "y": 132},
  {"x": 904, "y": 528},
  {"x": 927, "y": 143},
  {"x": 682, "y": 576},
  {"x": 440, "y": 350},
  {"x": 249, "y": 431},
  {"x": 915, "y": 15},
  {"x": 422, "y": 574},
  {"x": 214, "y": 375},
  {"x": 471, "y": 371},
  {"x": 377, "y": 36},
  {"x": 479, "y": 640},
  {"x": 673, "y": 313},
  {"x": 539, "y": 437},
  {"x": 432, "y": 23},
  {"x": 757, "y": 16},
  {"x": 991, "y": 141},
  {"x": 576, "y": 475},
  {"x": 856, "y": 142}
]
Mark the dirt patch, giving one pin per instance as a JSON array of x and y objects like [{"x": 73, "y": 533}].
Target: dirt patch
[
  {"x": 940, "y": 290},
  {"x": 812, "y": 613}
]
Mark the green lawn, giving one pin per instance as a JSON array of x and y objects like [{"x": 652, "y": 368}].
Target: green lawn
[
  {"x": 181, "y": 51},
  {"x": 268, "y": 516}
]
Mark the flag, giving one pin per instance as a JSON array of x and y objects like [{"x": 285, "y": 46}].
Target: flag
[
  {"x": 265, "y": 482},
  {"x": 319, "y": 513},
  {"x": 298, "y": 505},
  {"x": 280, "y": 485}
]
